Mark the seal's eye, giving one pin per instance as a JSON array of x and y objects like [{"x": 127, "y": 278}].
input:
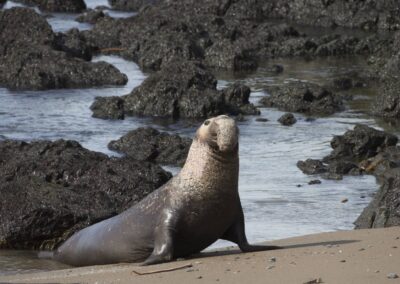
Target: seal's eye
[{"x": 207, "y": 122}]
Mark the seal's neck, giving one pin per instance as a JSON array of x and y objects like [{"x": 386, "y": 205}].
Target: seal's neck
[{"x": 204, "y": 162}]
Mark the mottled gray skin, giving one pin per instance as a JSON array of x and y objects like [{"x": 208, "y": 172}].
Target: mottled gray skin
[{"x": 195, "y": 208}]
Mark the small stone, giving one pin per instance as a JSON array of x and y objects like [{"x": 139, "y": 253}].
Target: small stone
[
  {"x": 287, "y": 119},
  {"x": 272, "y": 259},
  {"x": 394, "y": 247},
  {"x": 344, "y": 200},
  {"x": 343, "y": 260},
  {"x": 298, "y": 185},
  {"x": 392, "y": 275},
  {"x": 270, "y": 267},
  {"x": 261, "y": 119},
  {"x": 314, "y": 181},
  {"x": 377, "y": 271},
  {"x": 200, "y": 277},
  {"x": 361, "y": 249}
]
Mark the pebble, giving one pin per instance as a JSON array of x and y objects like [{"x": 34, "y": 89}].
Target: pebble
[
  {"x": 272, "y": 259},
  {"x": 361, "y": 249},
  {"x": 260, "y": 119},
  {"x": 344, "y": 200},
  {"x": 392, "y": 275},
  {"x": 200, "y": 277},
  {"x": 314, "y": 181},
  {"x": 343, "y": 260}
]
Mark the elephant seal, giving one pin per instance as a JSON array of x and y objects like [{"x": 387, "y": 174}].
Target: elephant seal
[{"x": 191, "y": 211}]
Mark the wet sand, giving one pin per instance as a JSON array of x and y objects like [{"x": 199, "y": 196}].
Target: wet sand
[{"x": 358, "y": 256}]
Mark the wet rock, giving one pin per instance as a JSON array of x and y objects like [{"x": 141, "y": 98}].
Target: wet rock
[
  {"x": 49, "y": 190},
  {"x": 368, "y": 15},
  {"x": 159, "y": 147},
  {"x": 341, "y": 167},
  {"x": 73, "y": 43},
  {"x": 70, "y": 6},
  {"x": 131, "y": 5},
  {"x": 387, "y": 103},
  {"x": 304, "y": 98},
  {"x": 384, "y": 209},
  {"x": 276, "y": 68},
  {"x": 108, "y": 108},
  {"x": 287, "y": 119},
  {"x": 29, "y": 58},
  {"x": 360, "y": 143},
  {"x": 261, "y": 119},
  {"x": 311, "y": 166},
  {"x": 314, "y": 181},
  {"x": 90, "y": 16},
  {"x": 236, "y": 98},
  {"x": 184, "y": 89}
]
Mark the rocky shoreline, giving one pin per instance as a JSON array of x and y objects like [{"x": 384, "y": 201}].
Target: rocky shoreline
[{"x": 181, "y": 54}]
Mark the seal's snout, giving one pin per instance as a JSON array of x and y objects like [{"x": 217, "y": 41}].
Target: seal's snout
[{"x": 227, "y": 133}]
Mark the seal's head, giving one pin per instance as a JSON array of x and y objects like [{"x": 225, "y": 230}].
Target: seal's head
[{"x": 220, "y": 133}]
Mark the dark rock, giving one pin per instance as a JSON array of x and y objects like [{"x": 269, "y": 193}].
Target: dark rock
[
  {"x": 311, "y": 166},
  {"x": 341, "y": 167},
  {"x": 261, "y": 119},
  {"x": 90, "y": 16},
  {"x": 303, "y": 97},
  {"x": 314, "y": 181},
  {"x": 276, "y": 68},
  {"x": 108, "y": 108},
  {"x": 70, "y": 6},
  {"x": 287, "y": 119},
  {"x": 384, "y": 209},
  {"x": 131, "y": 5},
  {"x": 368, "y": 15},
  {"x": 360, "y": 143},
  {"x": 49, "y": 190},
  {"x": 236, "y": 98},
  {"x": 182, "y": 89},
  {"x": 387, "y": 103},
  {"x": 148, "y": 144},
  {"x": 73, "y": 43},
  {"x": 29, "y": 58}
]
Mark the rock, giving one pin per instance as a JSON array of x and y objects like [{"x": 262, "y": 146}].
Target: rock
[
  {"x": 332, "y": 176},
  {"x": 344, "y": 200},
  {"x": 49, "y": 190},
  {"x": 351, "y": 14},
  {"x": 69, "y": 6},
  {"x": 261, "y": 119},
  {"x": 302, "y": 97},
  {"x": 131, "y": 5},
  {"x": 108, "y": 108},
  {"x": 236, "y": 98},
  {"x": 32, "y": 57},
  {"x": 287, "y": 119},
  {"x": 314, "y": 181},
  {"x": 276, "y": 68},
  {"x": 160, "y": 147},
  {"x": 182, "y": 89},
  {"x": 341, "y": 167},
  {"x": 73, "y": 43},
  {"x": 360, "y": 143},
  {"x": 387, "y": 103},
  {"x": 90, "y": 16},
  {"x": 392, "y": 275},
  {"x": 384, "y": 209},
  {"x": 311, "y": 167}
]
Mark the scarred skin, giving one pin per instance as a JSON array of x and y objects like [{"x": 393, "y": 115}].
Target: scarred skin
[{"x": 195, "y": 208}]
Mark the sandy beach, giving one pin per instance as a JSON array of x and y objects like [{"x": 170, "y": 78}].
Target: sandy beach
[{"x": 359, "y": 256}]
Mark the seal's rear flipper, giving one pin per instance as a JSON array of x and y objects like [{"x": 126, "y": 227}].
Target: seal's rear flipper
[{"x": 46, "y": 254}]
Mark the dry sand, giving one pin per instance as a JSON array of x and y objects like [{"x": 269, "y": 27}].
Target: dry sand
[{"x": 360, "y": 256}]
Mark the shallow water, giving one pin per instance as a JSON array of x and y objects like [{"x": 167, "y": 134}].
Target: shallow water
[{"x": 275, "y": 205}]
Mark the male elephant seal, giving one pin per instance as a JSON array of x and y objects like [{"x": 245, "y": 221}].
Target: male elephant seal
[{"x": 195, "y": 208}]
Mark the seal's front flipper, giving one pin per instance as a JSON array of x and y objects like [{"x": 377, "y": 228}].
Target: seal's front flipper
[
  {"x": 163, "y": 240},
  {"x": 236, "y": 233}
]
